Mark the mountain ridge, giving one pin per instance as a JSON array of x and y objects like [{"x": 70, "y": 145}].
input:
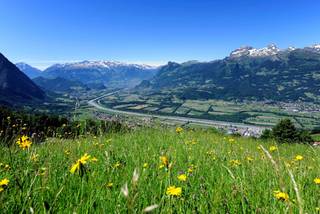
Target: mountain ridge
[
  {"x": 15, "y": 86},
  {"x": 283, "y": 75}
]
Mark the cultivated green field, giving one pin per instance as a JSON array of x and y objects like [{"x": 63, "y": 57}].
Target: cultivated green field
[
  {"x": 255, "y": 113},
  {"x": 216, "y": 174}
]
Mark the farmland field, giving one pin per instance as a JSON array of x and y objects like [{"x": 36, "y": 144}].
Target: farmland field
[{"x": 255, "y": 113}]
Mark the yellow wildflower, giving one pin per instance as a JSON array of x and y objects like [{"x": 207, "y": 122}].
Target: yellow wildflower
[
  {"x": 164, "y": 160},
  {"x": 24, "y": 142},
  {"x": 235, "y": 162},
  {"x": 81, "y": 162},
  {"x": 109, "y": 185},
  {"x": 179, "y": 130},
  {"x": 191, "y": 168},
  {"x": 117, "y": 165},
  {"x": 273, "y": 148},
  {"x": 174, "y": 191},
  {"x": 298, "y": 158},
  {"x": 145, "y": 165},
  {"x": 182, "y": 177},
  {"x": 4, "y": 182},
  {"x": 317, "y": 180},
  {"x": 282, "y": 196}
]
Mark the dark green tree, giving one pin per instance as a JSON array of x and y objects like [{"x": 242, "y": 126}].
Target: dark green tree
[
  {"x": 266, "y": 134},
  {"x": 285, "y": 132}
]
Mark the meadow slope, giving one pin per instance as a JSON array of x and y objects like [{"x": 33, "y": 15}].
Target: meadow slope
[{"x": 210, "y": 172}]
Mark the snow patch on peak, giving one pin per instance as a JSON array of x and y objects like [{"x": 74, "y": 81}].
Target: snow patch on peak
[
  {"x": 316, "y": 46},
  {"x": 242, "y": 51},
  {"x": 102, "y": 65},
  {"x": 291, "y": 48},
  {"x": 270, "y": 50}
]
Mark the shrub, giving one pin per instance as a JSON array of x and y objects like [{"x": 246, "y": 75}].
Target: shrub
[
  {"x": 266, "y": 134},
  {"x": 286, "y": 132}
]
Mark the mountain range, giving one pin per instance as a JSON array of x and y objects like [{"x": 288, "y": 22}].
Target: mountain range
[
  {"x": 291, "y": 74},
  {"x": 15, "y": 86},
  {"x": 96, "y": 73},
  {"x": 30, "y": 71},
  {"x": 248, "y": 73}
]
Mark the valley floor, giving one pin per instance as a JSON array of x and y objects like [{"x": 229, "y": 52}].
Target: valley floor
[{"x": 179, "y": 171}]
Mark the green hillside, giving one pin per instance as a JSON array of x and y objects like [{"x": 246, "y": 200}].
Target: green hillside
[
  {"x": 193, "y": 171},
  {"x": 286, "y": 76}
]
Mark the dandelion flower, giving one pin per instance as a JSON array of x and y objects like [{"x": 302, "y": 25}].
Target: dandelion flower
[
  {"x": 235, "y": 162},
  {"x": 174, "y": 191},
  {"x": 298, "y": 158},
  {"x": 164, "y": 160},
  {"x": 273, "y": 148},
  {"x": 281, "y": 196},
  {"x": 4, "y": 182},
  {"x": 317, "y": 180},
  {"x": 24, "y": 142},
  {"x": 179, "y": 130},
  {"x": 182, "y": 177}
]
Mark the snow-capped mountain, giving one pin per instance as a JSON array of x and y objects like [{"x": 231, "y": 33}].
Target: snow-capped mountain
[
  {"x": 109, "y": 73},
  {"x": 270, "y": 50},
  {"x": 254, "y": 52},
  {"x": 316, "y": 47},
  {"x": 102, "y": 64},
  {"x": 290, "y": 74}
]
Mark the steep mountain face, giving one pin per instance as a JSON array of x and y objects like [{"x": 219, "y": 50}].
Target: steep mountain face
[
  {"x": 30, "y": 71},
  {"x": 59, "y": 84},
  {"x": 15, "y": 86},
  {"x": 247, "y": 74},
  {"x": 112, "y": 74}
]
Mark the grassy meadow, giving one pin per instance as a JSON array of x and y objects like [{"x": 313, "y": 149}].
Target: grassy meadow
[{"x": 192, "y": 171}]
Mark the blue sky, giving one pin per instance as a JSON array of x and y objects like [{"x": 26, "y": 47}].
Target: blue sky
[{"x": 43, "y": 32}]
